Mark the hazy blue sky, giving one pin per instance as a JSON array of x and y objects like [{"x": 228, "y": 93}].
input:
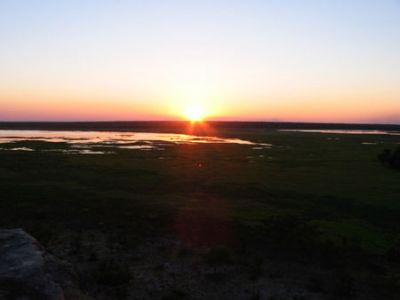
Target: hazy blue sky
[{"x": 312, "y": 60}]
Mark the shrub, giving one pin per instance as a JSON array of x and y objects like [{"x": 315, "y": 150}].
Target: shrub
[{"x": 390, "y": 158}]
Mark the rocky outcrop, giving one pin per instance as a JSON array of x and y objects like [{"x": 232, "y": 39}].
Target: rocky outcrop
[{"x": 27, "y": 271}]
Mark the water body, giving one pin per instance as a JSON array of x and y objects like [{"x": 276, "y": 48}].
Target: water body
[
  {"x": 86, "y": 142},
  {"x": 83, "y": 137},
  {"x": 345, "y": 131}
]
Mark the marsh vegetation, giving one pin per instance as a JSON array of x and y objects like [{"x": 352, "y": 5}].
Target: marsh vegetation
[{"x": 314, "y": 216}]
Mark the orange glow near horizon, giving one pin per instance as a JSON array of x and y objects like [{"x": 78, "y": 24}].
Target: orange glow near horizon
[{"x": 199, "y": 103}]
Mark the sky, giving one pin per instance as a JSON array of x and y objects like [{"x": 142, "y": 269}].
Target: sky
[{"x": 264, "y": 60}]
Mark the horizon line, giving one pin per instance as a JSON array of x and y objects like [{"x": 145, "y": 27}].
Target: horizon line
[{"x": 188, "y": 121}]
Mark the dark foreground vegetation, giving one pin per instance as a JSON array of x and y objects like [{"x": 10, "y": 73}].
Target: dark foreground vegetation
[
  {"x": 316, "y": 216},
  {"x": 390, "y": 158}
]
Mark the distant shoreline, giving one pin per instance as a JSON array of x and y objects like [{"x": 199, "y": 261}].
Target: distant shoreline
[{"x": 182, "y": 125}]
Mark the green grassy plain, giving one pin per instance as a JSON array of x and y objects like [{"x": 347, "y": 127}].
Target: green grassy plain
[{"x": 317, "y": 199}]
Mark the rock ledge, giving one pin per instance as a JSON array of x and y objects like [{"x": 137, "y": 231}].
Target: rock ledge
[{"x": 25, "y": 268}]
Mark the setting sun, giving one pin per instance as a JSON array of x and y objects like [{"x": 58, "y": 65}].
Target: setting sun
[{"x": 194, "y": 113}]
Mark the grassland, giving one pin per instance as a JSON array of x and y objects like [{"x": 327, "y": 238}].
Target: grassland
[{"x": 315, "y": 212}]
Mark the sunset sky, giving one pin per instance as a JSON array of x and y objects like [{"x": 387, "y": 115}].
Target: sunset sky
[{"x": 268, "y": 60}]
